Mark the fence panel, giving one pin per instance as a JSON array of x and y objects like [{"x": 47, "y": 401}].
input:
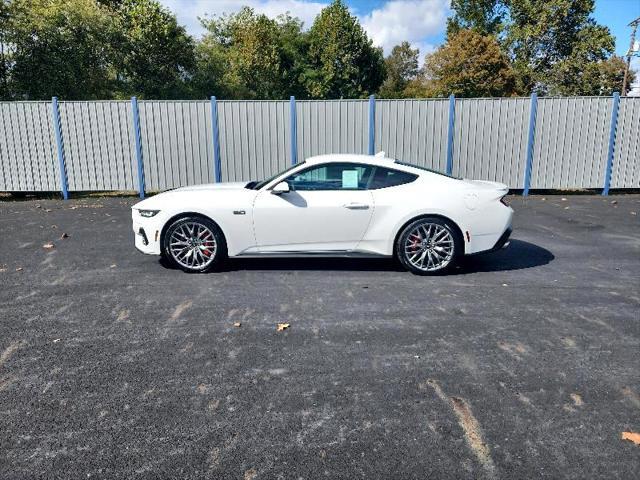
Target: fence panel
[
  {"x": 490, "y": 139},
  {"x": 176, "y": 143},
  {"x": 332, "y": 126},
  {"x": 28, "y": 155},
  {"x": 626, "y": 160},
  {"x": 413, "y": 131},
  {"x": 98, "y": 145},
  {"x": 254, "y": 139},
  {"x": 571, "y": 142}
]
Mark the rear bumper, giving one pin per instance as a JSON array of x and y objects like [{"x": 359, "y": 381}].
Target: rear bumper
[{"x": 503, "y": 241}]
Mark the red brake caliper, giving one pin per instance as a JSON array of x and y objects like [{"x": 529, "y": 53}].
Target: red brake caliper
[
  {"x": 416, "y": 241},
  {"x": 206, "y": 252}
]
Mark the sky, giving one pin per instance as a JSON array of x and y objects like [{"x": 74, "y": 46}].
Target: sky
[{"x": 389, "y": 22}]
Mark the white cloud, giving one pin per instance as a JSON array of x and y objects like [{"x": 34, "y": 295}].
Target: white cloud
[
  {"x": 188, "y": 11},
  {"x": 411, "y": 20}
]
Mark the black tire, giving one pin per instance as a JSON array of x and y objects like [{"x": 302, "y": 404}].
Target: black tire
[
  {"x": 409, "y": 252},
  {"x": 205, "y": 257}
]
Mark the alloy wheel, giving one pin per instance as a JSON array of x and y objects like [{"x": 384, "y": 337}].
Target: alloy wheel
[
  {"x": 429, "y": 247},
  {"x": 193, "y": 245}
]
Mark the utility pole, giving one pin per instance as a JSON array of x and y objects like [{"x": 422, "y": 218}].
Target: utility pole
[{"x": 633, "y": 50}]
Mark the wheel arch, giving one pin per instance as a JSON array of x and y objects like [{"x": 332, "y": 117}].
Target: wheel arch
[
  {"x": 180, "y": 215},
  {"x": 428, "y": 215}
]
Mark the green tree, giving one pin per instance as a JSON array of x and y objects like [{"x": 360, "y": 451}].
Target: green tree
[
  {"x": 576, "y": 77},
  {"x": 343, "y": 63},
  {"x": 484, "y": 16},
  {"x": 555, "y": 36},
  {"x": 401, "y": 67},
  {"x": 5, "y": 15},
  {"x": 249, "y": 55},
  {"x": 468, "y": 65},
  {"x": 555, "y": 46},
  {"x": 60, "y": 47},
  {"x": 154, "y": 56}
]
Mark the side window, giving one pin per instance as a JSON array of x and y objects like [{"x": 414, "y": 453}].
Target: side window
[
  {"x": 332, "y": 176},
  {"x": 386, "y": 177}
]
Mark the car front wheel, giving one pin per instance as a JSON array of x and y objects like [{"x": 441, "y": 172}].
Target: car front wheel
[
  {"x": 194, "y": 244},
  {"x": 429, "y": 245}
]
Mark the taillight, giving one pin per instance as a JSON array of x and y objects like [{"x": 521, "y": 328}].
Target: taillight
[{"x": 504, "y": 201}]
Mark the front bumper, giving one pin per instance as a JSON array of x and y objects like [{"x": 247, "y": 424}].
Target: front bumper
[{"x": 147, "y": 233}]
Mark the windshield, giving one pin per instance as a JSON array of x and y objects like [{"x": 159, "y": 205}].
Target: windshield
[{"x": 255, "y": 185}]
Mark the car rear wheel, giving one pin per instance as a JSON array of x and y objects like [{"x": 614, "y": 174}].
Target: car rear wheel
[
  {"x": 428, "y": 246},
  {"x": 194, "y": 244}
]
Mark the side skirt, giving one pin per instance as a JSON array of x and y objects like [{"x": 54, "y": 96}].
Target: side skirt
[{"x": 312, "y": 254}]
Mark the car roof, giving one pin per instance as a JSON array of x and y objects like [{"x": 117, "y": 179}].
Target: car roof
[{"x": 379, "y": 159}]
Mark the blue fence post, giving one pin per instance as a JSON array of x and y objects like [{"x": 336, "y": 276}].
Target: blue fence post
[
  {"x": 372, "y": 125},
  {"x": 217, "y": 163},
  {"x": 57, "y": 127},
  {"x": 294, "y": 130},
  {"x": 612, "y": 142},
  {"x": 532, "y": 135},
  {"x": 138, "y": 138},
  {"x": 452, "y": 117}
]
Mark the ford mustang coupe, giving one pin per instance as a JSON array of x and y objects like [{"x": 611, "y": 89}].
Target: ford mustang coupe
[{"x": 332, "y": 205}]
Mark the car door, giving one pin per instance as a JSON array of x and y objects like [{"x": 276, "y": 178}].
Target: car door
[{"x": 328, "y": 208}]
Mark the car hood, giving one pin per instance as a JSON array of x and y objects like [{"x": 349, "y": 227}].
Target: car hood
[
  {"x": 212, "y": 186},
  {"x": 185, "y": 197}
]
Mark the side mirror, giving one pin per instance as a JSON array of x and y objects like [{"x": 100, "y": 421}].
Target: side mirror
[{"x": 279, "y": 189}]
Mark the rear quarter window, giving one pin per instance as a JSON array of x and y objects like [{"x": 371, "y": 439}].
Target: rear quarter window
[{"x": 387, "y": 177}]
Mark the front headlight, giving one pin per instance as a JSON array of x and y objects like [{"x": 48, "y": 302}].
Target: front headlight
[{"x": 148, "y": 213}]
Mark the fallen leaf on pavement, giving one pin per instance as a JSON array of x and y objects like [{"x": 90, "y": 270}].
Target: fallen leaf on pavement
[
  {"x": 48, "y": 246},
  {"x": 54, "y": 226},
  {"x": 64, "y": 235},
  {"x": 113, "y": 266},
  {"x": 56, "y": 340},
  {"x": 237, "y": 324},
  {"x": 632, "y": 437},
  {"x": 19, "y": 269},
  {"x": 282, "y": 326},
  {"x": 47, "y": 210},
  {"x": 614, "y": 202},
  {"x": 3, "y": 268}
]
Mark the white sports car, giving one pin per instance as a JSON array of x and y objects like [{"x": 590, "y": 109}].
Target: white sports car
[{"x": 332, "y": 205}]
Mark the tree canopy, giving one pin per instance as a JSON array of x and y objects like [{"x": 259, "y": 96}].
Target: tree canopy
[
  {"x": 401, "y": 69},
  {"x": 101, "y": 49},
  {"x": 468, "y": 65},
  {"x": 342, "y": 61},
  {"x": 555, "y": 46}
]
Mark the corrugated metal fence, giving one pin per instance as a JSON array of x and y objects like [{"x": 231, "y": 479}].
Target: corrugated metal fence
[{"x": 547, "y": 143}]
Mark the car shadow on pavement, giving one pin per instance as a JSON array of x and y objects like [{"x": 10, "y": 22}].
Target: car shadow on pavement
[{"x": 519, "y": 255}]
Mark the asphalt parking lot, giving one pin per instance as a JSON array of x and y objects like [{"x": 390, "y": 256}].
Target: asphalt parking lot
[{"x": 521, "y": 364}]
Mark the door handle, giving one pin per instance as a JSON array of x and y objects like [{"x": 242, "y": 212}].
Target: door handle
[{"x": 356, "y": 206}]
